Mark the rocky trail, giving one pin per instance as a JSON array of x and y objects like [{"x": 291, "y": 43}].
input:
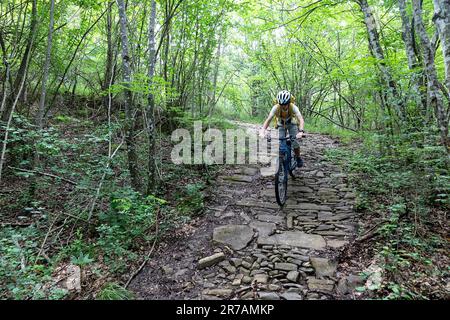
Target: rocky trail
[{"x": 246, "y": 247}]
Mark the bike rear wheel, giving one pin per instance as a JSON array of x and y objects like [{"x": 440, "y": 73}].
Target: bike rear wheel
[{"x": 281, "y": 184}]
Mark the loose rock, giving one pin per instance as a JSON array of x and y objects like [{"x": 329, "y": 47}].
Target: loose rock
[
  {"x": 211, "y": 260},
  {"x": 285, "y": 266},
  {"x": 323, "y": 267},
  {"x": 235, "y": 236},
  {"x": 292, "y": 276},
  {"x": 268, "y": 296}
]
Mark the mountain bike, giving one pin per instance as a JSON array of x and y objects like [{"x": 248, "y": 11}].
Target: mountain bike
[{"x": 287, "y": 163}]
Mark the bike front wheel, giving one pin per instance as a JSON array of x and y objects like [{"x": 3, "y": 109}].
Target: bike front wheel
[
  {"x": 281, "y": 184},
  {"x": 292, "y": 164}
]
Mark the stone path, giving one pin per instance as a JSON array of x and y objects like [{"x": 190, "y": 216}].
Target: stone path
[{"x": 247, "y": 248}]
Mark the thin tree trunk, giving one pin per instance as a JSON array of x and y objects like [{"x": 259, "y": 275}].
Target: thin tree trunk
[
  {"x": 7, "y": 74},
  {"x": 109, "y": 56},
  {"x": 442, "y": 20},
  {"x": 8, "y": 123},
  {"x": 393, "y": 96},
  {"x": 129, "y": 110},
  {"x": 40, "y": 115},
  {"x": 434, "y": 93},
  {"x": 23, "y": 69},
  {"x": 216, "y": 71},
  {"x": 167, "y": 42},
  {"x": 151, "y": 184},
  {"x": 408, "y": 38}
]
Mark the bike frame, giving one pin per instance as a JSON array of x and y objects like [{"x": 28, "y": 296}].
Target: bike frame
[
  {"x": 285, "y": 156},
  {"x": 284, "y": 167},
  {"x": 285, "y": 152}
]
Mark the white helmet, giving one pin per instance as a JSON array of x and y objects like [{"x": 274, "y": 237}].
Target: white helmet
[{"x": 284, "y": 97}]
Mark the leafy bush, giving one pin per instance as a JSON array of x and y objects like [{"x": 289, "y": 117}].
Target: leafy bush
[
  {"x": 20, "y": 278},
  {"x": 129, "y": 220},
  {"x": 403, "y": 186},
  {"x": 191, "y": 199}
]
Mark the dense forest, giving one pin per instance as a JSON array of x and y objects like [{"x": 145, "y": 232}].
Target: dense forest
[{"x": 91, "y": 90}]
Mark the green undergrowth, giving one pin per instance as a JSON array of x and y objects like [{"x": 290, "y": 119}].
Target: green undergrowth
[
  {"x": 402, "y": 189},
  {"x": 123, "y": 225}
]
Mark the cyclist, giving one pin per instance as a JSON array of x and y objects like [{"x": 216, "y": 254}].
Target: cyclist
[{"x": 285, "y": 111}]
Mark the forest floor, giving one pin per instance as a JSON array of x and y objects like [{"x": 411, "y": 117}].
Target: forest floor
[{"x": 254, "y": 249}]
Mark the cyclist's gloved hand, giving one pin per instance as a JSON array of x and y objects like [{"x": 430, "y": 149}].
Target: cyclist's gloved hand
[{"x": 299, "y": 135}]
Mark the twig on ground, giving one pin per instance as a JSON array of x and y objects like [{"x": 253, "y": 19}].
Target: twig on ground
[
  {"x": 370, "y": 233},
  {"x": 97, "y": 193},
  {"x": 45, "y": 239},
  {"x": 75, "y": 217},
  {"x": 44, "y": 174},
  {"x": 147, "y": 257},
  {"x": 15, "y": 224}
]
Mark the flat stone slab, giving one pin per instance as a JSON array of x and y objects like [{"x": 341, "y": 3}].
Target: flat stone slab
[
  {"x": 336, "y": 244},
  {"x": 268, "y": 296},
  {"x": 235, "y": 236},
  {"x": 292, "y": 276},
  {"x": 300, "y": 189},
  {"x": 294, "y": 239},
  {"x": 249, "y": 171},
  {"x": 285, "y": 266},
  {"x": 332, "y": 233},
  {"x": 291, "y": 296},
  {"x": 308, "y": 207},
  {"x": 320, "y": 284},
  {"x": 239, "y": 178},
  {"x": 325, "y": 216},
  {"x": 270, "y": 218},
  {"x": 270, "y": 193},
  {"x": 325, "y": 227},
  {"x": 218, "y": 292},
  {"x": 264, "y": 228},
  {"x": 257, "y": 204},
  {"x": 323, "y": 189},
  {"x": 323, "y": 267},
  {"x": 267, "y": 171},
  {"x": 261, "y": 278}
]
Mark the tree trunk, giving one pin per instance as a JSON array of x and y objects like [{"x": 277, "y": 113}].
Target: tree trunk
[
  {"x": 13, "y": 106},
  {"x": 151, "y": 184},
  {"x": 167, "y": 42},
  {"x": 129, "y": 110},
  {"x": 22, "y": 72},
  {"x": 408, "y": 38},
  {"x": 442, "y": 20},
  {"x": 40, "y": 115},
  {"x": 216, "y": 72},
  {"x": 109, "y": 56},
  {"x": 434, "y": 93},
  {"x": 393, "y": 96},
  {"x": 7, "y": 74}
]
